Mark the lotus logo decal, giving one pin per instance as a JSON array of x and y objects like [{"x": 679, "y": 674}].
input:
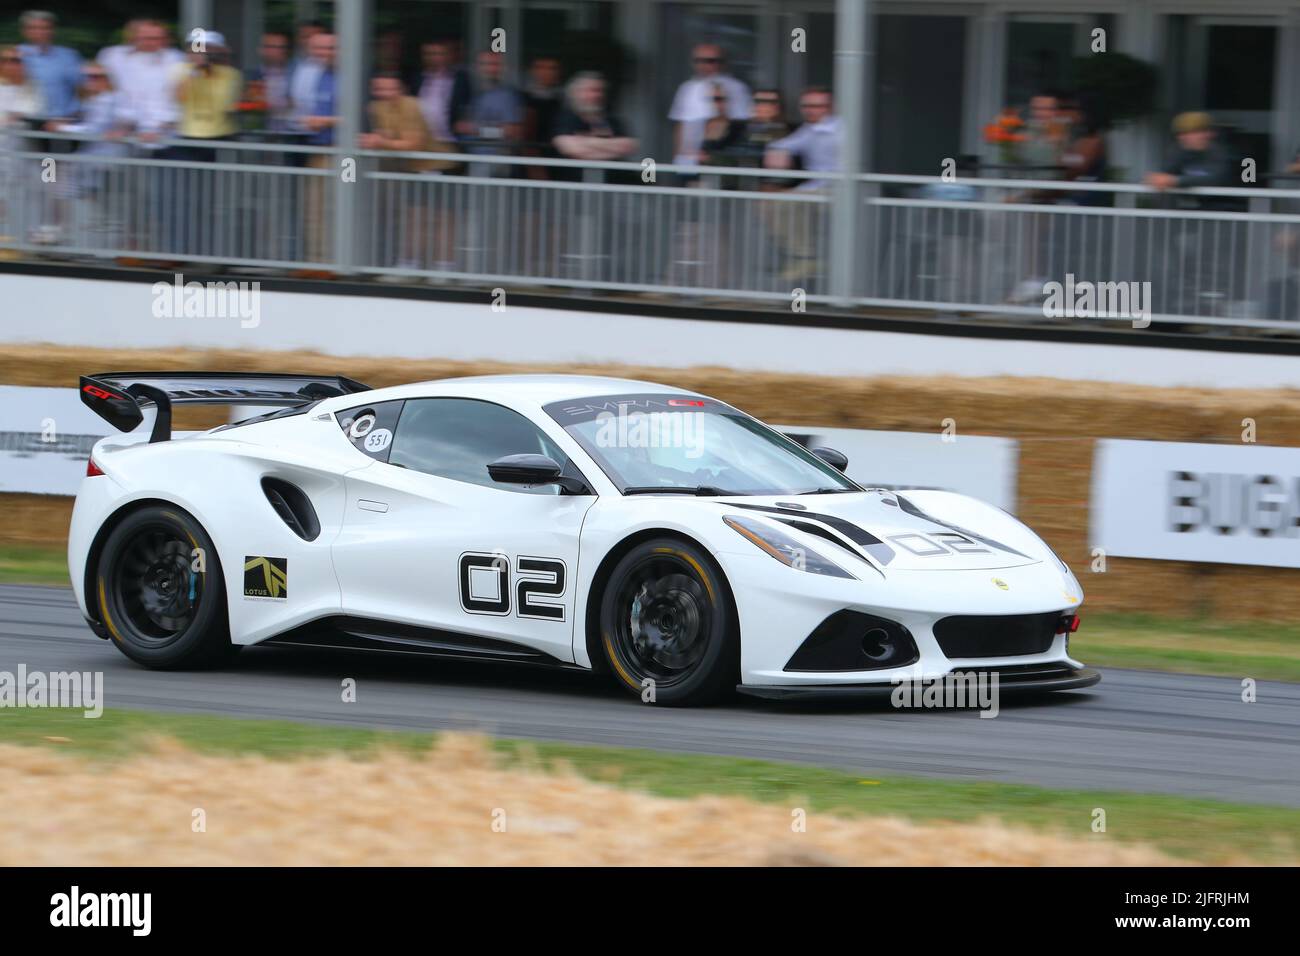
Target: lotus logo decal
[{"x": 1002, "y": 585}]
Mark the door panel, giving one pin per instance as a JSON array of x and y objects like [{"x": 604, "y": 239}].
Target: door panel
[
  {"x": 460, "y": 557},
  {"x": 430, "y": 539}
]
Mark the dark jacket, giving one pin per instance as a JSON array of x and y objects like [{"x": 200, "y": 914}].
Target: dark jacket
[
  {"x": 1209, "y": 167},
  {"x": 462, "y": 92}
]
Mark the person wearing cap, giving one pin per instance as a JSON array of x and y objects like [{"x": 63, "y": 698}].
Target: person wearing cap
[
  {"x": 207, "y": 95},
  {"x": 207, "y": 90},
  {"x": 1200, "y": 160}
]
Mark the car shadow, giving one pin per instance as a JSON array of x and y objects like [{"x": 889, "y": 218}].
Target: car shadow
[
  {"x": 416, "y": 668},
  {"x": 494, "y": 676}
]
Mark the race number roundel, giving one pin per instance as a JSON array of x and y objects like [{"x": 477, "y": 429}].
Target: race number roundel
[
  {"x": 361, "y": 427},
  {"x": 377, "y": 440}
]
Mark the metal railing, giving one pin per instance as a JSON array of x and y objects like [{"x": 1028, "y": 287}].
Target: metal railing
[
  {"x": 980, "y": 246},
  {"x": 1204, "y": 257}
]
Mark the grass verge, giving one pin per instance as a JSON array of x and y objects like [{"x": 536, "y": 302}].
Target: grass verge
[
  {"x": 1191, "y": 829},
  {"x": 33, "y": 564},
  {"x": 1264, "y": 651}
]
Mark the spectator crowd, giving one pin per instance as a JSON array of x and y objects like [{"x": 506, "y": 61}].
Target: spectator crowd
[
  {"x": 150, "y": 91},
  {"x": 149, "y": 96}
]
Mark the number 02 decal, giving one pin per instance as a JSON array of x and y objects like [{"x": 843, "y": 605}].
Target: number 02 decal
[{"x": 539, "y": 585}]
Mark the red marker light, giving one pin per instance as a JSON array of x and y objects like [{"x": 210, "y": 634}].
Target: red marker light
[
  {"x": 92, "y": 469},
  {"x": 694, "y": 403},
  {"x": 1068, "y": 624}
]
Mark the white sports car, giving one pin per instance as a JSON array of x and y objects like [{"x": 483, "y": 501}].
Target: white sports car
[{"x": 657, "y": 535}]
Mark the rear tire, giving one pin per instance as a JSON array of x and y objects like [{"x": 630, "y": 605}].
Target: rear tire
[
  {"x": 667, "y": 625},
  {"x": 158, "y": 609}
]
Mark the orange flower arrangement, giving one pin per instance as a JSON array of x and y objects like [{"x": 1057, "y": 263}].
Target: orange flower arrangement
[{"x": 1005, "y": 133}]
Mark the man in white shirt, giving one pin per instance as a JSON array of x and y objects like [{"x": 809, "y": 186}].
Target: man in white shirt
[
  {"x": 693, "y": 105},
  {"x": 146, "y": 79},
  {"x": 111, "y": 57}
]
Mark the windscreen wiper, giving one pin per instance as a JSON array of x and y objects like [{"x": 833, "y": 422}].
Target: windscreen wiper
[{"x": 707, "y": 491}]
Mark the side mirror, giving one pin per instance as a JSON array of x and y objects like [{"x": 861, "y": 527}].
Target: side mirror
[
  {"x": 524, "y": 470},
  {"x": 534, "y": 470},
  {"x": 836, "y": 459}
]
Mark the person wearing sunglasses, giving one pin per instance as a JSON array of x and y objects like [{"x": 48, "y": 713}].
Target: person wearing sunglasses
[
  {"x": 20, "y": 103},
  {"x": 694, "y": 104},
  {"x": 20, "y": 99},
  {"x": 816, "y": 146},
  {"x": 103, "y": 127},
  {"x": 766, "y": 127}
]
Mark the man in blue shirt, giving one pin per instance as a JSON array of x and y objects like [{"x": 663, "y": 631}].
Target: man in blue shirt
[
  {"x": 494, "y": 122},
  {"x": 816, "y": 144},
  {"x": 315, "y": 111},
  {"x": 315, "y": 94},
  {"x": 56, "y": 70}
]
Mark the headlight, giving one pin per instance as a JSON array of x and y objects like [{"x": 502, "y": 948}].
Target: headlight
[{"x": 783, "y": 547}]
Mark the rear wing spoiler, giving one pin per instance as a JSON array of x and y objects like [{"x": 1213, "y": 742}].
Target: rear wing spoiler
[{"x": 120, "y": 397}]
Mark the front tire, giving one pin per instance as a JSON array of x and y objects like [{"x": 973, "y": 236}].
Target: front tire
[
  {"x": 667, "y": 625},
  {"x": 160, "y": 591}
]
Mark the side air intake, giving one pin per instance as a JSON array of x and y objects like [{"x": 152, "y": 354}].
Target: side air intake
[{"x": 293, "y": 506}]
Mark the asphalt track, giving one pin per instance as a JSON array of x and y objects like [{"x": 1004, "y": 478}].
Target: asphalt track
[{"x": 1137, "y": 730}]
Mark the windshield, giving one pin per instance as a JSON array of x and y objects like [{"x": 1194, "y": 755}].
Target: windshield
[{"x": 662, "y": 442}]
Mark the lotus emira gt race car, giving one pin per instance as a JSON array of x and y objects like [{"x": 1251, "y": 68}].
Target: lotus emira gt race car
[{"x": 656, "y": 535}]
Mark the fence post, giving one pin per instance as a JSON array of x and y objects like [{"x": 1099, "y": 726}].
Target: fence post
[
  {"x": 352, "y": 29},
  {"x": 854, "y": 83}
]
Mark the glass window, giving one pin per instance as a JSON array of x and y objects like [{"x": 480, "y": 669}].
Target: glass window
[
  {"x": 1239, "y": 67},
  {"x": 458, "y": 437},
  {"x": 1226, "y": 66},
  {"x": 665, "y": 442},
  {"x": 920, "y": 71}
]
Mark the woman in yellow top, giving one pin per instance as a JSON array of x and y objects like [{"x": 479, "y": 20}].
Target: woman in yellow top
[{"x": 207, "y": 91}]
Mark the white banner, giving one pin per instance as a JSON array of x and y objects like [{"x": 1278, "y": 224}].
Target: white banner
[
  {"x": 981, "y": 466},
  {"x": 1178, "y": 501},
  {"x": 45, "y": 438}
]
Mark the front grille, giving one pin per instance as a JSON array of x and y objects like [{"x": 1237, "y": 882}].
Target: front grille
[{"x": 996, "y": 635}]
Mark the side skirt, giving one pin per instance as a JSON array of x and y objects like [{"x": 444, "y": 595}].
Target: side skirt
[{"x": 343, "y": 632}]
